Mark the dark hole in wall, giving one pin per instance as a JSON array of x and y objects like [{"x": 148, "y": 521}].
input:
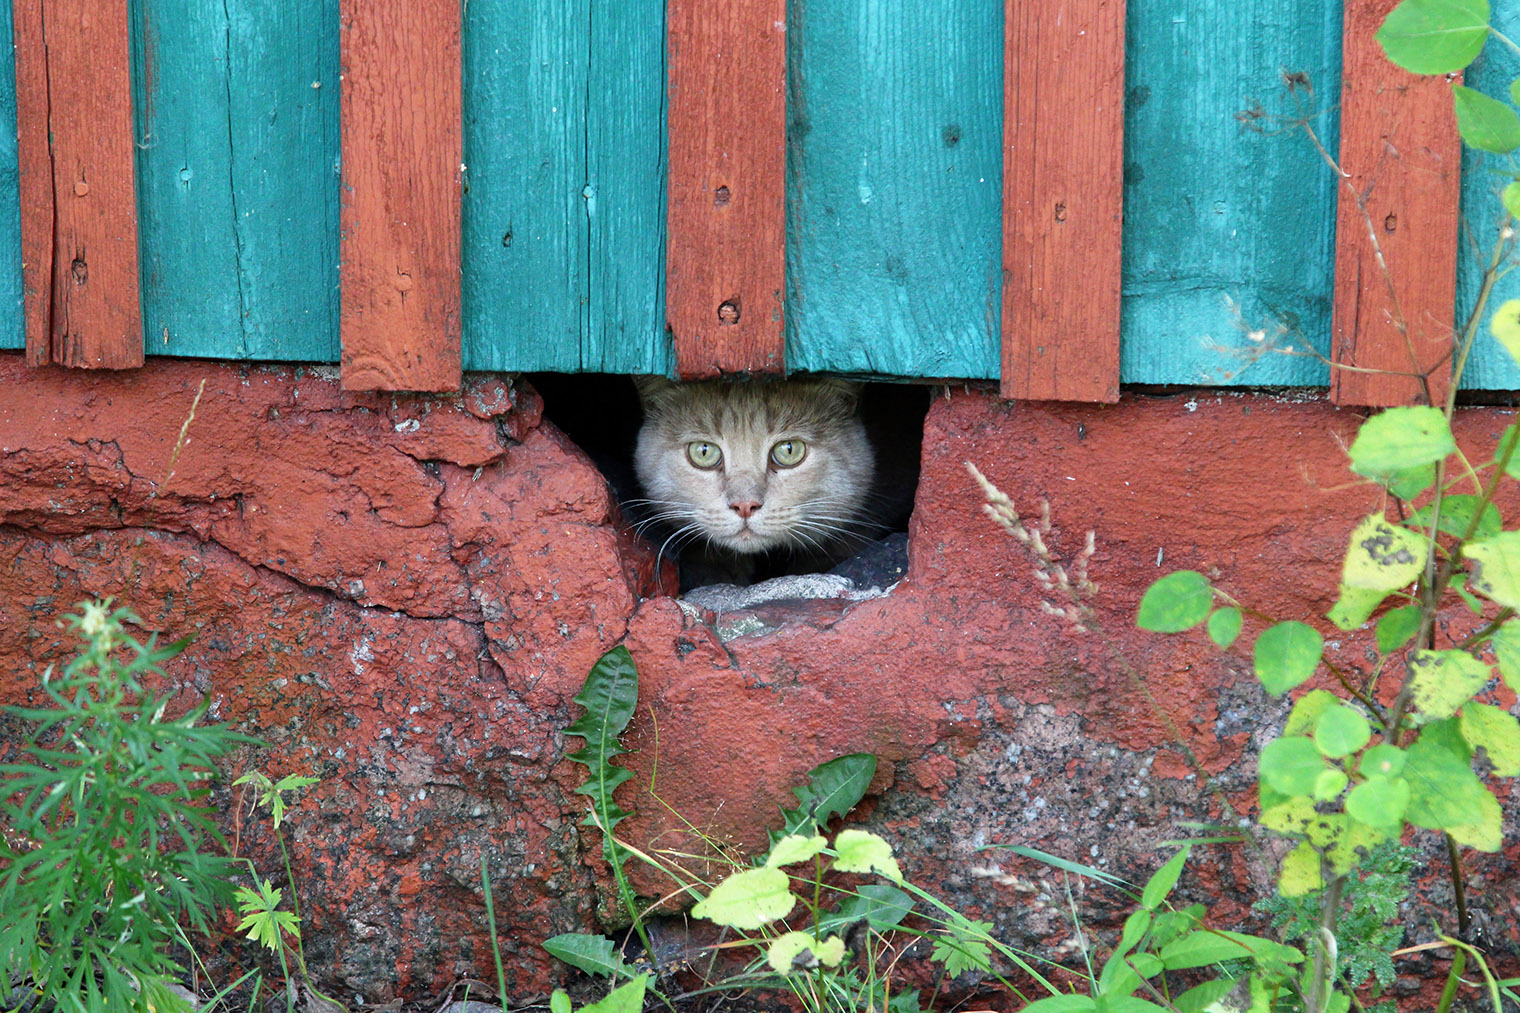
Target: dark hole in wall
[{"x": 602, "y": 414}]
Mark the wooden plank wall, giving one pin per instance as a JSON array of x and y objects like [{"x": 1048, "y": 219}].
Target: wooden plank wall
[
  {"x": 893, "y": 187},
  {"x": 1063, "y": 138},
  {"x": 402, "y": 150},
  {"x": 1227, "y": 231},
  {"x": 725, "y": 272},
  {"x": 564, "y": 226},
  {"x": 79, "y": 220},
  {"x": 238, "y": 177},
  {"x": 891, "y": 192},
  {"x": 1400, "y": 148}
]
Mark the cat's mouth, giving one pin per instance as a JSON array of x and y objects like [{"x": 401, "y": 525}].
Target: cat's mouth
[{"x": 745, "y": 540}]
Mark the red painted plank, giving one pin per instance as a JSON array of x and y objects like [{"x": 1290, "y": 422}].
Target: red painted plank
[
  {"x": 78, "y": 192},
  {"x": 1399, "y": 143},
  {"x": 1063, "y": 183},
  {"x": 725, "y": 279},
  {"x": 402, "y": 148}
]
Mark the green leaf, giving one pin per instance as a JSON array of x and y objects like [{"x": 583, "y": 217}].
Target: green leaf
[
  {"x": 1382, "y": 557},
  {"x": 795, "y": 848},
  {"x": 596, "y": 955},
  {"x": 626, "y": 998},
  {"x": 862, "y": 851},
  {"x": 963, "y": 947},
  {"x": 1505, "y": 323},
  {"x": 1179, "y": 601},
  {"x": 882, "y": 905},
  {"x": 1485, "y": 123},
  {"x": 1382, "y": 760},
  {"x": 1442, "y": 681},
  {"x": 1510, "y": 196},
  {"x": 1354, "y": 606},
  {"x": 1161, "y": 882},
  {"x": 1493, "y": 567},
  {"x": 1307, "y": 710},
  {"x": 262, "y": 917},
  {"x": 1135, "y": 927},
  {"x": 1204, "y": 947},
  {"x": 559, "y": 1001},
  {"x": 1399, "y": 439},
  {"x": 1061, "y": 1004},
  {"x": 1291, "y": 765},
  {"x": 1341, "y": 731},
  {"x": 1224, "y": 626},
  {"x": 1201, "y": 997},
  {"x": 1444, "y": 792},
  {"x": 833, "y": 789},
  {"x": 609, "y": 695},
  {"x": 1329, "y": 784},
  {"x": 1286, "y": 655},
  {"x": 1409, "y": 483},
  {"x": 1379, "y": 802},
  {"x": 1300, "y": 872},
  {"x": 1486, "y": 833},
  {"x": 800, "y": 952},
  {"x": 1496, "y": 732},
  {"x": 1506, "y": 644},
  {"x": 1435, "y": 36},
  {"x": 1396, "y": 628},
  {"x": 1457, "y": 512},
  {"x": 748, "y": 899},
  {"x": 1474, "y": 603}
]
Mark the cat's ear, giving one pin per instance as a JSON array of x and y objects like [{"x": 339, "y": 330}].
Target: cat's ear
[
  {"x": 846, "y": 391},
  {"x": 654, "y": 390}
]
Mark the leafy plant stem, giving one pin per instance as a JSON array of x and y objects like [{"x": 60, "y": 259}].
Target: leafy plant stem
[
  {"x": 1449, "y": 991},
  {"x": 1458, "y": 884},
  {"x": 1366, "y": 700},
  {"x": 1505, "y": 614},
  {"x": 1324, "y": 962},
  {"x": 1470, "y": 329},
  {"x": 1432, "y": 590},
  {"x": 485, "y": 885}
]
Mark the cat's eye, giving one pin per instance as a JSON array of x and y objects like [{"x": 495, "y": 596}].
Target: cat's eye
[
  {"x": 788, "y": 453},
  {"x": 703, "y": 454}
]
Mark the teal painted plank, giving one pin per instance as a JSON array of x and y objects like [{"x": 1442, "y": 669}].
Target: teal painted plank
[
  {"x": 894, "y": 176},
  {"x": 564, "y": 207},
  {"x": 12, "y": 318},
  {"x": 1483, "y": 177},
  {"x": 237, "y": 185},
  {"x": 1214, "y": 215}
]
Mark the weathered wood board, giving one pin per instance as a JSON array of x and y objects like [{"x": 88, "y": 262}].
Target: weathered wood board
[
  {"x": 1402, "y": 156},
  {"x": 79, "y": 211},
  {"x": 564, "y": 206},
  {"x": 401, "y": 115},
  {"x": 238, "y": 154}
]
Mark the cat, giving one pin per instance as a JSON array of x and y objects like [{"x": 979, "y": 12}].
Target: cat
[{"x": 758, "y": 478}]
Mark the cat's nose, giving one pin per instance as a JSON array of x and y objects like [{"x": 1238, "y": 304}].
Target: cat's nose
[{"x": 744, "y": 507}]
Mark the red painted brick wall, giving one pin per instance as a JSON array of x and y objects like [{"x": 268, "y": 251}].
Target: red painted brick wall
[{"x": 402, "y": 594}]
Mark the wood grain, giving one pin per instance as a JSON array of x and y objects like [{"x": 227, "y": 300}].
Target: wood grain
[
  {"x": 1063, "y": 180},
  {"x": 894, "y": 210},
  {"x": 564, "y": 227},
  {"x": 726, "y": 252},
  {"x": 1400, "y": 147},
  {"x": 400, "y": 243},
  {"x": 78, "y": 198},
  {"x": 237, "y": 181}
]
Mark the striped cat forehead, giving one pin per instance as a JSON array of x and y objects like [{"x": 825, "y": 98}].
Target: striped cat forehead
[{"x": 720, "y": 407}]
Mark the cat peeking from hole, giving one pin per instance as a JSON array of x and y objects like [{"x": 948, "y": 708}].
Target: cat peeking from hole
[{"x": 751, "y": 480}]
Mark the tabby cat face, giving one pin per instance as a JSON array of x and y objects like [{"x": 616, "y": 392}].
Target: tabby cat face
[{"x": 755, "y": 466}]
